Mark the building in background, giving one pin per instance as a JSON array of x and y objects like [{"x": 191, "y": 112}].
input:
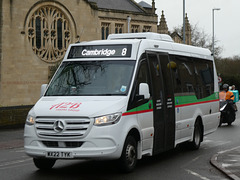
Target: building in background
[
  {"x": 163, "y": 29},
  {"x": 34, "y": 36}
]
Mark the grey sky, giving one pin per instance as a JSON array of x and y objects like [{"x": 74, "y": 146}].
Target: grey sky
[{"x": 227, "y": 23}]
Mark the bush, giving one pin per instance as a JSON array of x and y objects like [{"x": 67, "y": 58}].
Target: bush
[{"x": 229, "y": 70}]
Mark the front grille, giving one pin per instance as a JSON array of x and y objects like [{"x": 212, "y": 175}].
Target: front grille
[
  {"x": 69, "y": 127},
  {"x": 52, "y": 144},
  {"x": 60, "y": 144}
]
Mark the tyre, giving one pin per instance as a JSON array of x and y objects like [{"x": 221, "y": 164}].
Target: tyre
[
  {"x": 44, "y": 164},
  {"x": 128, "y": 159},
  {"x": 197, "y": 137}
]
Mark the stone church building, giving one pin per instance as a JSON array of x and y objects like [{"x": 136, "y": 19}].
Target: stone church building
[{"x": 34, "y": 36}]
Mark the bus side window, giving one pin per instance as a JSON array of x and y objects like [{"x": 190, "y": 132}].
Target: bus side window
[
  {"x": 187, "y": 76},
  {"x": 204, "y": 76},
  {"x": 142, "y": 77},
  {"x": 175, "y": 74}
]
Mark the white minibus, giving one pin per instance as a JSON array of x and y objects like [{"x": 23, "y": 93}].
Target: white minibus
[{"x": 132, "y": 95}]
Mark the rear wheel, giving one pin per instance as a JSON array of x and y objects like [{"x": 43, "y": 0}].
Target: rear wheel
[
  {"x": 44, "y": 164},
  {"x": 197, "y": 136},
  {"x": 128, "y": 158}
]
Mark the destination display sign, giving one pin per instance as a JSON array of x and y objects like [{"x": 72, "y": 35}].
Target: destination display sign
[{"x": 100, "y": 51}]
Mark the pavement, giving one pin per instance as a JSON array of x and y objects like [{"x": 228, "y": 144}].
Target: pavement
[{"x": 228, "y": 162}]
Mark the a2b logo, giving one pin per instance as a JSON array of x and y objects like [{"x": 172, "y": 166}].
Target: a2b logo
[{"x": 66, "y": 106}]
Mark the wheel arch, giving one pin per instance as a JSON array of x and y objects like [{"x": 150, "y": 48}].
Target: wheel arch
[{"x": 135, "y": 133}]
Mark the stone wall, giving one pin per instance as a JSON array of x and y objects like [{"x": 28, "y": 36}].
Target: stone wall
[
  {"x": 16, "y": 116},
  {"x": 22, "y": 68},
  {"x": 22, "y": 71}
]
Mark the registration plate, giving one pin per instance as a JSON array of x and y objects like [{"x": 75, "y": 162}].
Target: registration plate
[{"x": 59, "y": 154}]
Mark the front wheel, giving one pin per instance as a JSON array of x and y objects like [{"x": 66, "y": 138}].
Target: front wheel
[
  {"x": 44, "y": 164},
  {"x": 128, "y": 159},
  {"x": 197, "y": 137}
]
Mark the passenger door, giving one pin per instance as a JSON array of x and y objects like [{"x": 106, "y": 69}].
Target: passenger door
[{"x": 163, "y": 101}]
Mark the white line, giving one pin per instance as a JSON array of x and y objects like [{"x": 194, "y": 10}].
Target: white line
[
  {"x": 14, "y": 166},
  {"x": 196, "y": 174},
  {"x": 14, "y": 162},
  {"x": 229, "y": 150}
]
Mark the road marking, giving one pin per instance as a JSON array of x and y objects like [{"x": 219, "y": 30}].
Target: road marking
[
  {"x": 3, "y": 165},
  {"x": 196, "y": 174},
  {"x": 15, "y": 166},
  {"x": 229, "y": 150},
  {"x": 18, "y": 150},
  {"x": 207, "y": 143}
]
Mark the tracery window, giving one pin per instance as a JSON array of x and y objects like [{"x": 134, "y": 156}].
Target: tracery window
[
  {"x": 135, "y": 28},
  {"x": 49, "y": 33},
  {"x": 118, "y": 28},
  {"x": 105, "y": 27},
  {"x": 147, "y": 28}
]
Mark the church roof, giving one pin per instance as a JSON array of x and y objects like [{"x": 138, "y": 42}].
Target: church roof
[
  {"x": 145, "y": 5},
  {"x": 123, "y": 5}
]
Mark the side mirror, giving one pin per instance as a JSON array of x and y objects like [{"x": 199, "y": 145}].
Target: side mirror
[
  {"x": 144, "y": 90},
  {"x": 43, "y": 89}
]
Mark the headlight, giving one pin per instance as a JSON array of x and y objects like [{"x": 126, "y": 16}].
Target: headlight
[
  {"x": 31, "y": 117},
  {"x": 107, "y": 119}
]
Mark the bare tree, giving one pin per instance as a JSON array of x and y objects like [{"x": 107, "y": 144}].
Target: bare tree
[{"x": 201, "y": 39}]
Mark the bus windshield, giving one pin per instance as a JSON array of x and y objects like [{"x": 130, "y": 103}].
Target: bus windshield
[{"x": 92, "y": 78}]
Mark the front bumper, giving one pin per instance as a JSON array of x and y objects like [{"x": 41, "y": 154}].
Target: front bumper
[{"x": 96, "y": 145}]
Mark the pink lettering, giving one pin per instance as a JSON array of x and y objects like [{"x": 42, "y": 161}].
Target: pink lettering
[
  {"x": 66, "y": 106},
  {"x": 76, "y": 105},
  {"x": 56, "y": 106}
]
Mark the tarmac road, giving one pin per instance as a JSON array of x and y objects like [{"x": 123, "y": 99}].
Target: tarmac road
[{"x": 221, "y": 148}]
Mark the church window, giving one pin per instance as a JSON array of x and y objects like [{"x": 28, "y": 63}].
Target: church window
[
  {"x": 49, "y": 33},
  {"x": 135, "y": 28},
  {"x": 105, "y": 30},
  {"x": 59, "y": 34},
  {"x": 38, "y": 32},
  {"x": 118, "y": 28},
  {"x": 147, "y": 28}
]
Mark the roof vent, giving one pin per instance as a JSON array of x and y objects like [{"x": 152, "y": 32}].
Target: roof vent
[{"x": 146, "y": 35}]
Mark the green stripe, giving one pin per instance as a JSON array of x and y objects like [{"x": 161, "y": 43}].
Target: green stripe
[
  {"x": 142, "y": 107},
  {"x": 180, "y": 100}
]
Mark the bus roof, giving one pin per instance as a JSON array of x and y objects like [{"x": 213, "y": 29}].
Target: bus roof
[
  {"x": 149, "y": 41},
  {"x": 147, "y": 35}
]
